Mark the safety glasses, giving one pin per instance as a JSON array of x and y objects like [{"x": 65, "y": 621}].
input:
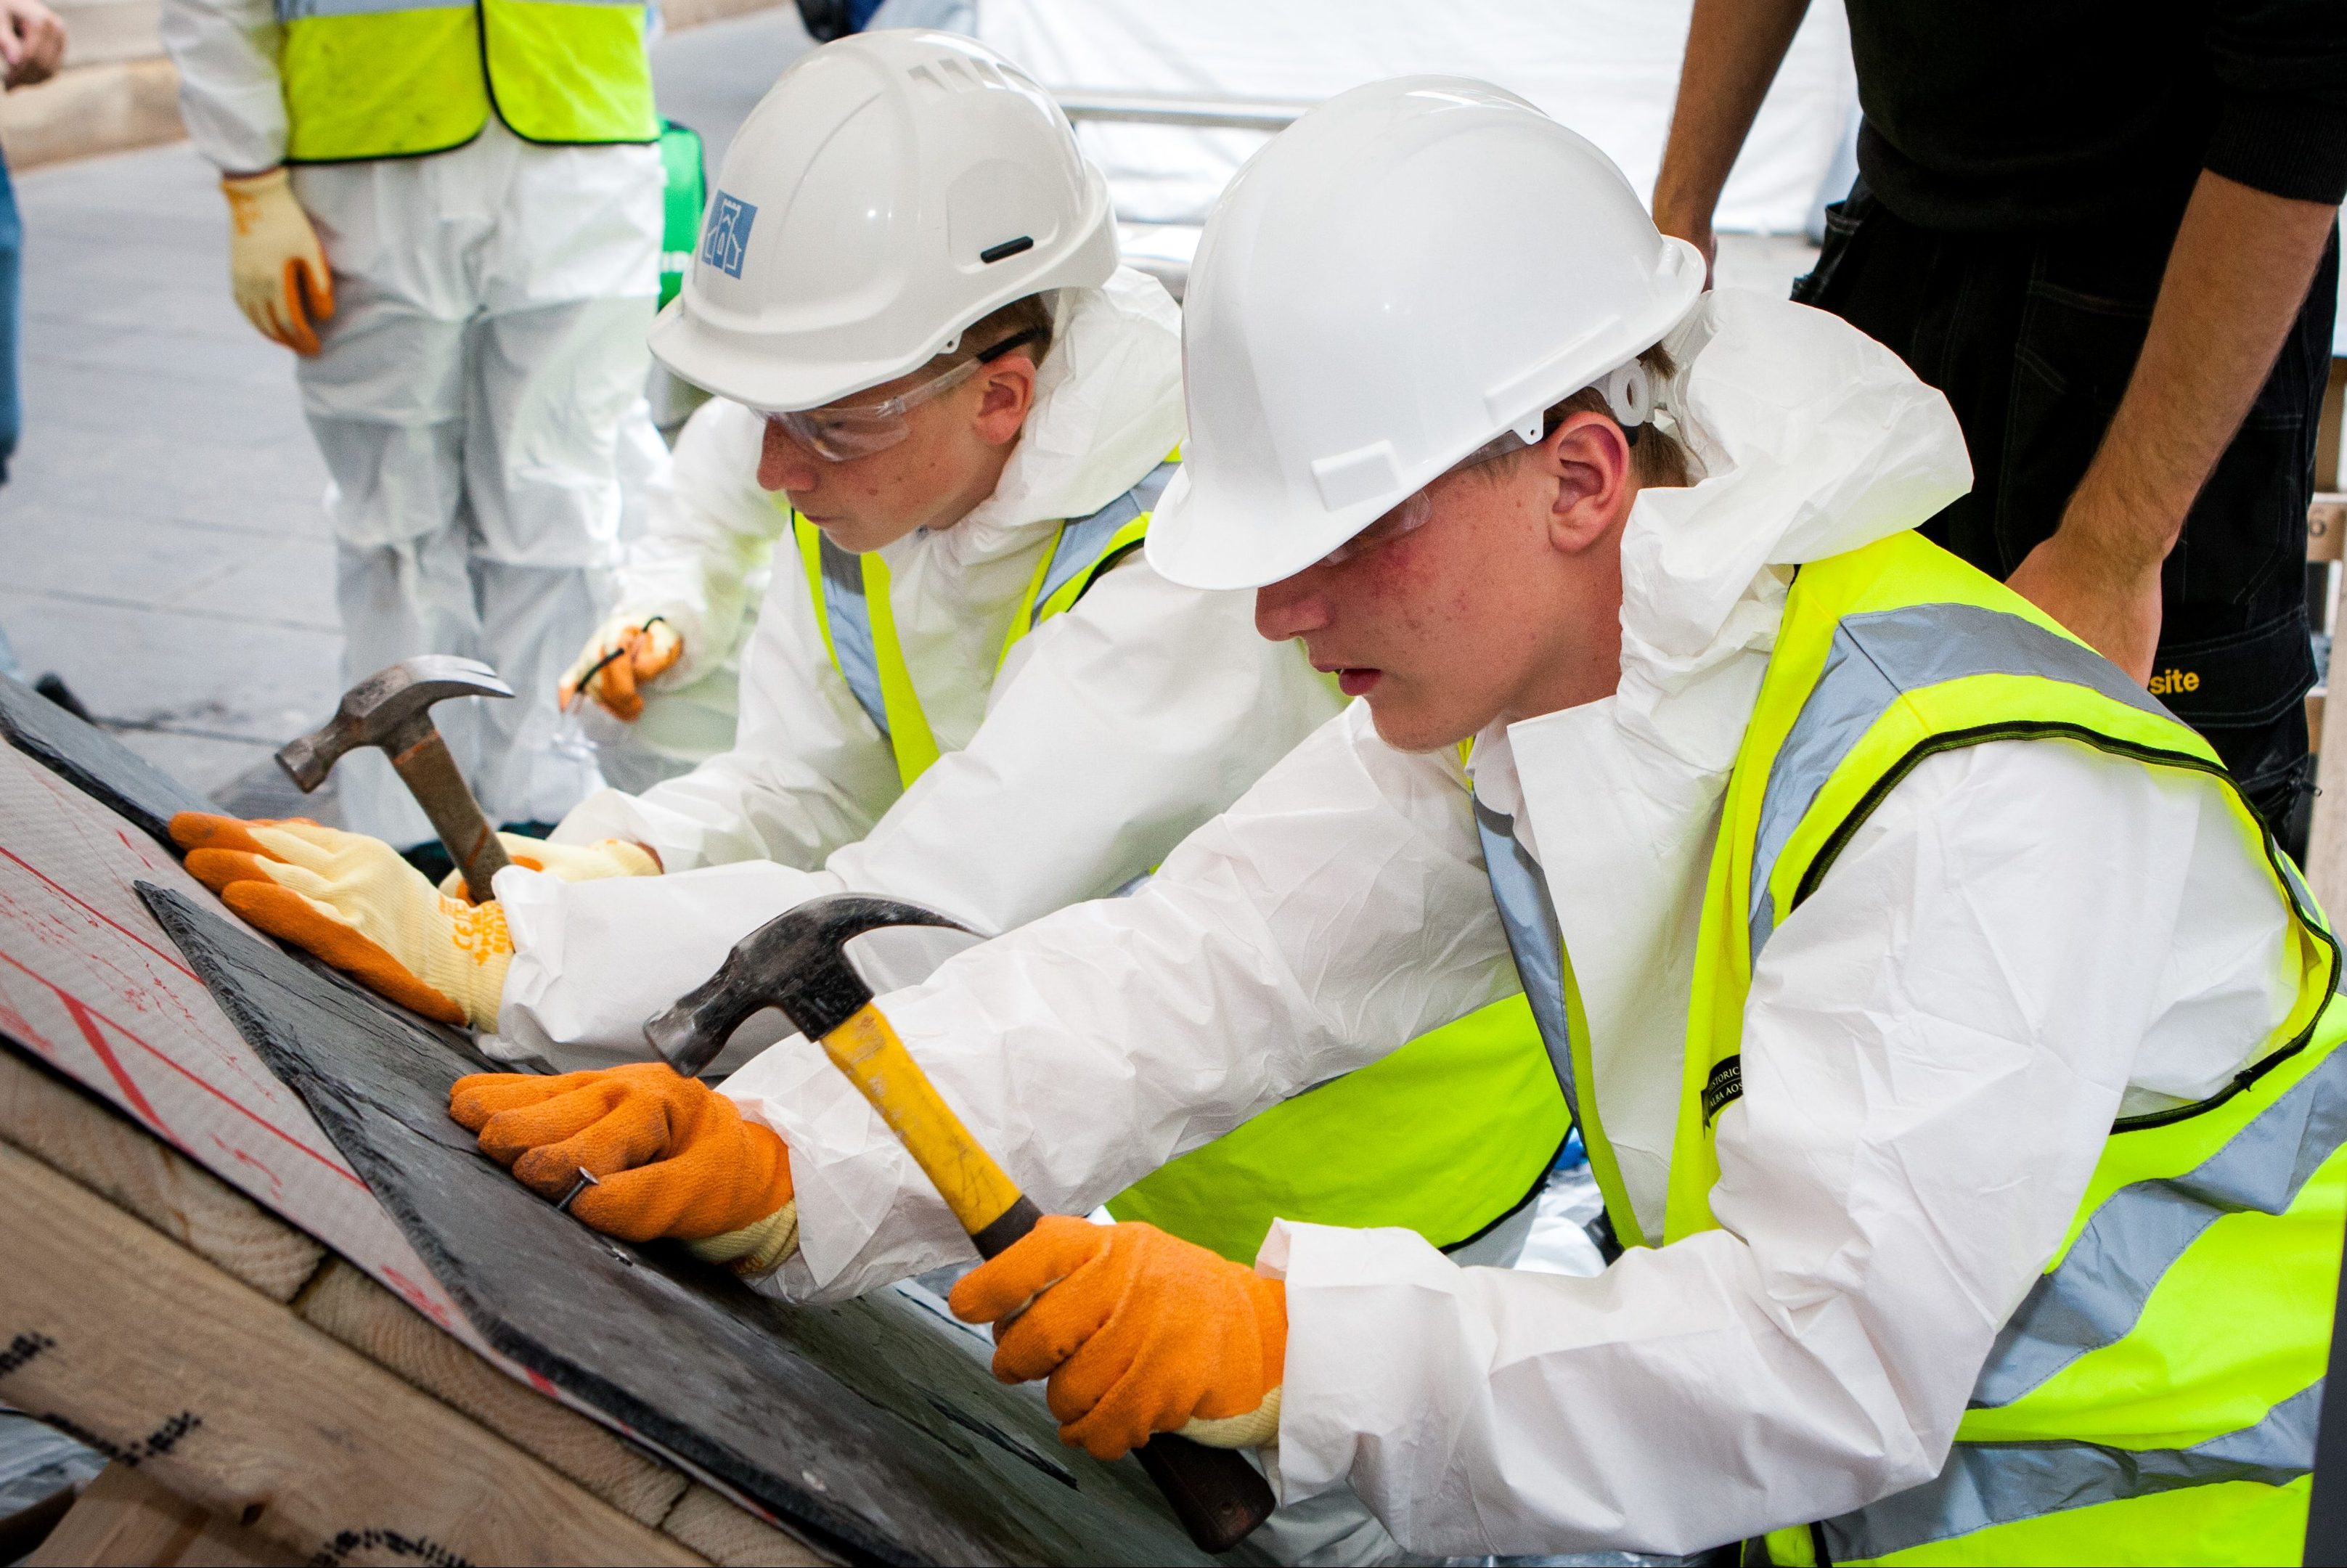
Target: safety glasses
[
  {"x": 841, "y": 434},
  {"x": 1417, "y": 509}
]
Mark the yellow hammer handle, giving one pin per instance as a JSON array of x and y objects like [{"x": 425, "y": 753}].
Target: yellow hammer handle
[{"x": 866, "y": 1049}]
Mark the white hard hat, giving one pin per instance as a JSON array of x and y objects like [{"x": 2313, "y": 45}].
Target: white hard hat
[
  {"x": 890, "y": 189},
  {"x": 1409, "y": 269}
]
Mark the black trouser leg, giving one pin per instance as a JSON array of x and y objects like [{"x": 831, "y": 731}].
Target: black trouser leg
[{"x": 2032, "y": 339}]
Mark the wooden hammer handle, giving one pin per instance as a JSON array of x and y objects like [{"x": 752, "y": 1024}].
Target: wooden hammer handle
[
  {"x": 431, "y": 775},
  {"x": 1214, "y": 1492}
]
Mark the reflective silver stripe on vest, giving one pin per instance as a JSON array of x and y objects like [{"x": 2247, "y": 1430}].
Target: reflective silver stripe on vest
[
  {"x": 1535, "y": 937},
  {"x": 1875, "y": 660},
  {"x": 852, "y": 647},
  {"x": 1082, "y": 539},
  {"x": 2107, "y": 1278},
  {"x": 308, "y": 10},
  {"x": 2002, "y": 1483}
]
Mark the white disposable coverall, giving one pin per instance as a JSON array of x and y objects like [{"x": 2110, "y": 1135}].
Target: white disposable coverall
[
  {"x": 2025, "y": 940},
  {"x": 1111, "y": 731},
  {"x": 477, "y": 398},
  {"x": 702, "y": 564}
]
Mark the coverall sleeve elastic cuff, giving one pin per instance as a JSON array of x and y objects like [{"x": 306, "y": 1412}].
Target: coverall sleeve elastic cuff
[
  {"x": 2289, "y": 147},
  {"x": 1337, "y": 1383}
]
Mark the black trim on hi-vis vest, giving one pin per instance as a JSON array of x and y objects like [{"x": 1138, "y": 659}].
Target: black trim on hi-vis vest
[
  {"x": 1530, "y": 1193},
  {"x": 1100, "y": 569},
  {"x": 2040, "y": 729},
  {"x": 1723, "y": 1087},
  {"x": 497, "y": 110},
  {"x": 489, "y": 86}
]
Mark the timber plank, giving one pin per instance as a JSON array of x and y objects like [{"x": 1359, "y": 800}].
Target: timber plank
[
  {"x": 712, "y": 1525},
  {"x": 124, "y": 1517},
  {"x": 74, "y": 1133},
  {"x": 362, "y": 1314},
  {"x": 231, "y": 1402}
]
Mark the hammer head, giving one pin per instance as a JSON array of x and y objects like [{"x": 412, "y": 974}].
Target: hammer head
[
  {"x": 796, "y": 963},
  {"x": 383, "y": 711}
]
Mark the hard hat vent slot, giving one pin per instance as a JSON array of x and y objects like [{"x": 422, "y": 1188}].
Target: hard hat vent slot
[{"x": 1008, "y": 249}]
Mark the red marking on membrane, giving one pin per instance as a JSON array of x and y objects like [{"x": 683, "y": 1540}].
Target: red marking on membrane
[
  {"x": 76, "y": 1005},
  {"x": 96, "y": 913}
]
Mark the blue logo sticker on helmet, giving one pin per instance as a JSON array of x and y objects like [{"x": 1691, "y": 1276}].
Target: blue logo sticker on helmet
[{"x": 727, "y": 240}]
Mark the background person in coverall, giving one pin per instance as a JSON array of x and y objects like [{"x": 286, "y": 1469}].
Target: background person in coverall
[
  {"x": 1060, "y": 770},
  {"x": 2106, "y": 231},
  {"x": 1957, "y": 1053},
  {"x": 451, "y": 213}
]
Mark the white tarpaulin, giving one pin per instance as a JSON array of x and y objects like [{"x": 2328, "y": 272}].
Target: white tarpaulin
[{"x": 1608, "y": 68}]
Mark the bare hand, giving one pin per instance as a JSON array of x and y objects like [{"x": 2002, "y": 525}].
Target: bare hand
[
  {"x": 2112, "y": 606},
  {"x": 32, "y": 43}
]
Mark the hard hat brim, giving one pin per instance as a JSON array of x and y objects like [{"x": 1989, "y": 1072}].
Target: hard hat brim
[
  {"x": 748, "y": 371},
  {"x": 1218, "y": 539},
  {"x": 1198, "y": 540}
]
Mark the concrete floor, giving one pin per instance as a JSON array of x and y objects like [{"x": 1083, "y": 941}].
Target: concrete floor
[{"x": 162, "y": 545}]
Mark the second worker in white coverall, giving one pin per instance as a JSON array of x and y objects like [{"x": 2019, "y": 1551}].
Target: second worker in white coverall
[{"x": 453, "y": 215}]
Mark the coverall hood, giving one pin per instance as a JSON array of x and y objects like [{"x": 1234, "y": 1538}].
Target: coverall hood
[{"x": 1809, "y": 439}]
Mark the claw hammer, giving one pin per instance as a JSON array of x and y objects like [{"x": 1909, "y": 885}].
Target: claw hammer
[
  {"x": 795, "y": 962},
  {"x": 391, "y": 709}
]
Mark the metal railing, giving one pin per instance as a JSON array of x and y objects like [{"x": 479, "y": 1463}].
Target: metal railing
[{"x": 1173, "y": 108}]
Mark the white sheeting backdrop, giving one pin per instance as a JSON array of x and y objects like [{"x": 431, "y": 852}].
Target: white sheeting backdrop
[{"x": 1608, "y": 68}]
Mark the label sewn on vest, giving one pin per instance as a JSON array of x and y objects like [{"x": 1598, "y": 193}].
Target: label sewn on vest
[
  {"x": 1724, "y": 1084},
  {"x": 728, "y": 238}
]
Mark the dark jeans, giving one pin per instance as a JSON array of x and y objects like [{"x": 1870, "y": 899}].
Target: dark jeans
[{"x": 2032, "y": 338}]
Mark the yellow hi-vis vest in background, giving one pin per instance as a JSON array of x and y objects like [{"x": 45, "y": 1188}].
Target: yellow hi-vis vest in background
[
  {"x": 393, "y": 78},
  {"x": 2154, "y": 1398},
  {"x": 1449, "y": 1135}
]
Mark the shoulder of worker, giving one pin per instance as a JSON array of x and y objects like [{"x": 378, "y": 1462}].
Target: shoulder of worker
[{"x": 1108, "y": 411}]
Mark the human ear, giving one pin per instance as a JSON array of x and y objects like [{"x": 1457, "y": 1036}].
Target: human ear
[
  {"x": 1588, "y": 458},
  {"x": 1004, "y": 394}
]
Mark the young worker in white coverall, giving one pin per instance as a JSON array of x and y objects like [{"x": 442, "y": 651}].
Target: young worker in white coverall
[
  {"x": 1957, "y": 1052},
  {"x": 452, "y": 216},
  {"x": 997, "y": 708}
]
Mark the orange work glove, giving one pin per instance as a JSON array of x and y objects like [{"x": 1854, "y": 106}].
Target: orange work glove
[
  {"x": 276, "y": 266},
  {"x": 619, "y": 657},
  {"x": 1140, "y": 1332},
  {"x": 670, "y": 1157},
  {"x": 353, "y": 901}
]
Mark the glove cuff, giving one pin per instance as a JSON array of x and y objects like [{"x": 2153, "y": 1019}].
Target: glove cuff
[
  {"x": 757, "y": 1249},
  {"x": 1257, "y": 1429},
  {"x": 637, "y": 859},
  {"x": 261, "y": 184},
  {"x": 469, "y": 964}
]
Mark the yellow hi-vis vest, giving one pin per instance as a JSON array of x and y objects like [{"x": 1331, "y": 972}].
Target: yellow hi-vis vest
[
  {"x": 395, "y": 79},
  {"x": 1448, "y": 1135},
  {"x": 2154, "y": 1398}
]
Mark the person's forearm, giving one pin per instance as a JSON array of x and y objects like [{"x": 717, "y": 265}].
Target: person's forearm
[
  {"x": 1733, "y": 50},
  {"x": 2236, "y": 279}
]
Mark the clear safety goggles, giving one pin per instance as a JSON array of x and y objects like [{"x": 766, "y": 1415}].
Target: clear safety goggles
[
  {"x": 841, "y": 435},
  {"x": 1417, "y": 509}
]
